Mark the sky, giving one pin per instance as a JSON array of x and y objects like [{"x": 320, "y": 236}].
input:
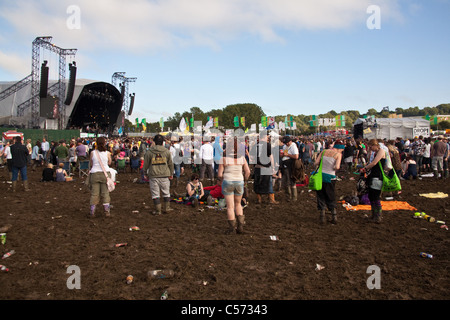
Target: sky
[{"x": 287, "y": 56}]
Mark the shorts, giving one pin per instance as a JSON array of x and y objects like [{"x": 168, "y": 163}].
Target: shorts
[{"x": 232, "y": 188}]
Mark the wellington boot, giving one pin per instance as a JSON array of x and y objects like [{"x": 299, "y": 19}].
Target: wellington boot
[
  {"x": 436, "y": 174},
  {"x": 272, "y": 198},
  {"x": 167, "y": 207},
  {"x": 240, "y": 224},
  {"x": 294, "y": 193},
  {"x": 14, "y": 186},
  {"x": 377, "y": 215},
  {"x": 26, "y": 185},
  {"x": 107, "y": 209},
  {"x": 92, "y": 211},
  {"x": 231, "y": 227},
  {"x": 446, "y": 174},
  {"x": 322, "y": 218},
  {"x": 288, "y": 194},
  {"x": 195, "y": 203},
  {"x": 157, "y": 210},
  {"x": 333, "y": 216}
]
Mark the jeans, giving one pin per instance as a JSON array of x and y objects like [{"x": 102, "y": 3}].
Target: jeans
[{"x": 23, "y": 173}]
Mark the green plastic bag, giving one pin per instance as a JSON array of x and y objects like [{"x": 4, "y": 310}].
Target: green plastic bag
[
  {"x": 315, "y": 180},
  {"x": 390, "y": 184}
]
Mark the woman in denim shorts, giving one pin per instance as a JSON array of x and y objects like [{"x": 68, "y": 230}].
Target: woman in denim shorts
[{"x": 234, "y": 170}]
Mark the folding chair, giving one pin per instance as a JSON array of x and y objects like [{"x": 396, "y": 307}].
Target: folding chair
[
  {"x": 83, "y": 168},
  {"x": 67, "y": 166},
  {"x": 121, "y": 165}
]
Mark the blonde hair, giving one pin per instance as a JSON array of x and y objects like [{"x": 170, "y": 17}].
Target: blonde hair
[{"x": 373, "y": 142}]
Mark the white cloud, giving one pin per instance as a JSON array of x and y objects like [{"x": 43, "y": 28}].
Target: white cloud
[
  {"x": 15, "y": 65},
  {"x": 142, "y": 25}
]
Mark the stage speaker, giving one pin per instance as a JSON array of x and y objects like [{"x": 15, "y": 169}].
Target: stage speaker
[
  {"x": 44, "y": 80},
  {"x": 47, "y": 107},
  {"x": 72, "y": 78},
  {"x": 130, "y": 110}
]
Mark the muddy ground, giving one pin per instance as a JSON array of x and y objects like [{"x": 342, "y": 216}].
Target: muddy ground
[{"x": 50, "y": 231}]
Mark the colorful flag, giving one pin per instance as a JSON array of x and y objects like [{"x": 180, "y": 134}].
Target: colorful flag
[{"x": 243, "y": 121}]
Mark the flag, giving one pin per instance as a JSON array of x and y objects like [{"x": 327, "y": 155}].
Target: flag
[
  {"x": 216, "y": 122},
  {"x": 236, "y": 121},
  {"x": 144, "y": 124},
  {"x": 210, "y": 123},
  {"x": 137, "y": 123},
  {"x": 243, "y": 121},
  {"x": 182, "y": 125},
  {"x": 192, "y": 122},
  {"x": 161, "y": 122},
  {"x": 120, "y": 131},
  {"x": 264, "y": 122}
]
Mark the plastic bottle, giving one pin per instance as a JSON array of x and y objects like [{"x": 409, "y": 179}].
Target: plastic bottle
[
  {"x": 427, "y": 217},
  {"x": 426, "y": 255},
  {"x": 160, "y": 274},
  {"x": 6, "y": 255}
]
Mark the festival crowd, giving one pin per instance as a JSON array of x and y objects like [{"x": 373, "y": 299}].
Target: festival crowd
[{"x": 221, "y": 167}]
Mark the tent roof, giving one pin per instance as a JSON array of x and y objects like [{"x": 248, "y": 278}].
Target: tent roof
[{"x": 409, "y": 122}]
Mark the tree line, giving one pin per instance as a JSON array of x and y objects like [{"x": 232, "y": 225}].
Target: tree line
[{"x": 252, "y": 113}]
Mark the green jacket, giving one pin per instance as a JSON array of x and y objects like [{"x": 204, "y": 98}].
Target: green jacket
[
  {"x": 158, "y": 162},
  {"x": 61, "y": 151}
]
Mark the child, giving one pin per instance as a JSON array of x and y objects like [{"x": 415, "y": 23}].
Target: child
[
  {"x": 61, "y": 174},
  {"x": 47, "y": 173}
]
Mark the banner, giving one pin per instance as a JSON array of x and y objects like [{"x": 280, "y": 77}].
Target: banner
[
  {"x": 144, "y": 124},
  {"x": 182, "y": 125},
  {"x": 161, "y": 122},
  {"x": 236, "y": 121},
  {"x": 243, "y": 121}
]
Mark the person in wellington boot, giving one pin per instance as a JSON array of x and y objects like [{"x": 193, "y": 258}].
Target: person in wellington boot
[
  {"x": 159, "y": 167},
  {"x": 326, "y": 198},
  {"x": 19, "y": 161}
]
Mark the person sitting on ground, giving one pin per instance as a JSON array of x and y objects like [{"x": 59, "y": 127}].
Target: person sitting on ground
[
  {"x": 48, "y": 173},
  {"x": 411, "y": 168},
  {"x": 195, "y": 192},
  {"x": 215, "y": 191},
  {"x": 61, "y": 174}
]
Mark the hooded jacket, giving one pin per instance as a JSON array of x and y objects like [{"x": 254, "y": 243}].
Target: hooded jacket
[{"x": 158, "y": 162}]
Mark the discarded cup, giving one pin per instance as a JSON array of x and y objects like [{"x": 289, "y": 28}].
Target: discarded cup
[
  {"x": 3, "y": 238},
  {"x": 444, "y": 227},
  {"x": 164, "y": 295},
  {"x": 274, "y": 238},
  {"x": 135, "y": 228},
  {"x": 3, "y": 268},
  {"x": 130, "y": 279}
]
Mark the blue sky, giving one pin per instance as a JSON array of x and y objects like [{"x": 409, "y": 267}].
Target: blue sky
[{"x": 287, "y": 56}]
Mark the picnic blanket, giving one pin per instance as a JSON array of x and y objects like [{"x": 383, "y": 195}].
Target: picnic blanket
[
  {"x": 434, "y": 195},
  {"x": 386, "y": 205}
]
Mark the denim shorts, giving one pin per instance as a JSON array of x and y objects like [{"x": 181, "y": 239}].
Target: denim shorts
[{"x": 232, "y": 188}]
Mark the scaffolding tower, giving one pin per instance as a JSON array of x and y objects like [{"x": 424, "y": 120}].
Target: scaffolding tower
[{"x": 123, "y": 88}]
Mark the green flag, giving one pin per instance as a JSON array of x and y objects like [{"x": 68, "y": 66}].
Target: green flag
[{"x": 236, "y": 121}]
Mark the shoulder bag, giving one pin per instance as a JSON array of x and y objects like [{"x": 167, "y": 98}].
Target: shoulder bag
[
  {"x": 315, "y": 181},
  {"x": 390, "y": 184},
  {"x": 109, "y": 181}
]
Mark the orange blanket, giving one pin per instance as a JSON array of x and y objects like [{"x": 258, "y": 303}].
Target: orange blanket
[{"x": 386, "y": 205}]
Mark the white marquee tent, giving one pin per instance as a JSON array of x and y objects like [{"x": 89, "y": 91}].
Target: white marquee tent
[{"x": 391, "y": 128}]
